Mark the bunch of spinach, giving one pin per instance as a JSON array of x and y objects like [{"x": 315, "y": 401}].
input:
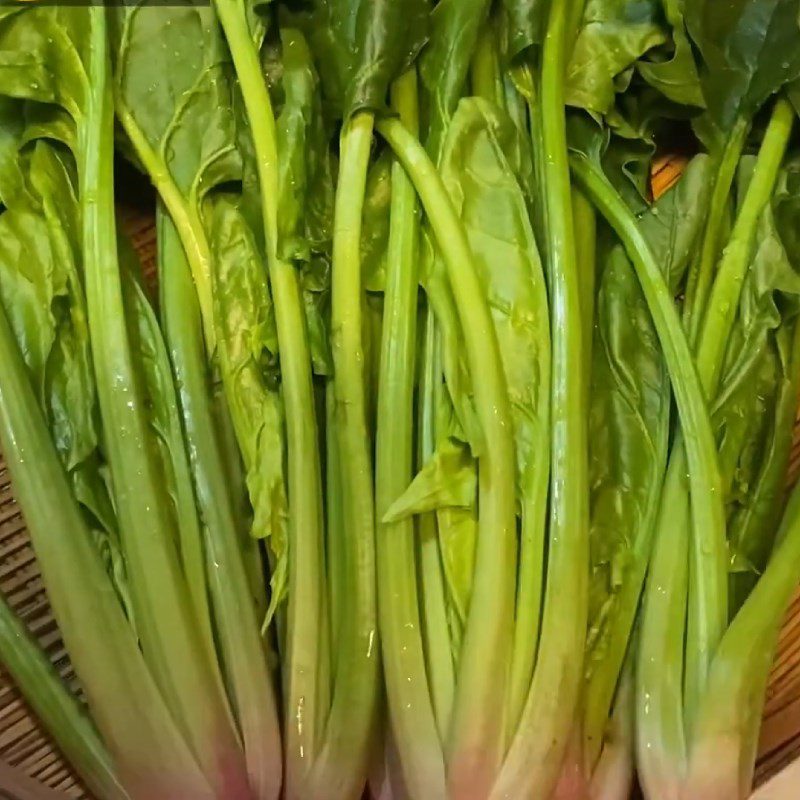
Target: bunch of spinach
[{"x": 451, "y": 461}]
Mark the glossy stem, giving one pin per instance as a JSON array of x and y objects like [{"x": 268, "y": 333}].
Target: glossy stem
[
  {"x": 411, "y": 713},
  {"x": 236, "y": 625},
  {"x": 701, "y": 275},
  {"x": 436, "y": 628},
  {"x": 533, "y": 763},
  {"x": 171, "y": 640},
  {"x": 306, "y": 576},
  {"x": 343, "y": 762},
  {"x": 475, "y": 747}
]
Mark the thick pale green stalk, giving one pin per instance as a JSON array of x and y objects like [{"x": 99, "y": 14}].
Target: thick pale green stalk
[
  {"x": 171, "y": 640},
  {"x": 477, "y": 725},
  {"x": 151, "y": 757},
  {"x": 586, "y": 254},
  {"x": 237, "y": 628},
  {"x": 708, "y": 600},
  {"x": 64, "y": 718},
  {"x": 660, "y": 735},
  {"x": 702, "y": 272},
  {"x": 306, "y": 576},
  {"x": 744, "y": 653},
  {"x": 612, "y": 778},
  {"x": 485, "y": 75},
  {"x": 534, "y": 759},
  {"x": 411, "y": 712},
  {"x": 435, "y": 627},
  {"x": 344, "y": 757},
  {"x": 709, "y": 545}
]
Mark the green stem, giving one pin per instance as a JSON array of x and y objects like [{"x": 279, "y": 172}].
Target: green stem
[
  {"x": 344, "y": 758},
  {"x": 64, "y": 718},
  {"x": 702, "y": 272},
  {"x": 660, "y": 735},
  {"x": 306, "y": 578},
  {"x": 410, "y": 710},
  {"x": 151, "y": 757},
  {"x": 612, "y": 779},
  {"x": 586, "y": 255},
  {"x": 708, "y": 579},
  {"x": 535, "y": 757},
  {"x": 171, "y": 640},
  {"x": 722, "y": 305},
  {"x": 189, "y": 226},
  {"x": 486, "y": 78},
  {"x": 477, "y": 727},
  {"x": 708, "y": 609},
  {"x": 436, "y": 629},
  {"x": 741, "y": 658},
  {"x": 234, "y": 613},
  {"x": 336, "y": 541}
]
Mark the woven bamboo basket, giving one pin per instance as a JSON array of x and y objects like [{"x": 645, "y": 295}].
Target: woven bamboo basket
[{"x": 26, "y": 747}]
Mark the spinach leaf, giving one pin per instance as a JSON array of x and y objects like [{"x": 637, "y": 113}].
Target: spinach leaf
[
  {"x": 748, "y": 50},
  {"x": 525, "y": 21},
  {"x": 613, "y": 35},
  {"x": 755, "y": 410},
  {"x": 674, "y": 74},
  {"x": 247, "y": 343},
  {"x": 175, "y": 104},
  {"x": 629, "y": 416},
  {"x": 306, "y": 186},
  {"x": 444, "y": 64},
  {"x": 40, "y": 283},
  {"x": 479, "y": 167},
  {"x": 362, "y": 45}
]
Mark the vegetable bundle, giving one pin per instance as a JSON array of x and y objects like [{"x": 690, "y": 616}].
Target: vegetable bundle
[{"x": 449, "y": 461}]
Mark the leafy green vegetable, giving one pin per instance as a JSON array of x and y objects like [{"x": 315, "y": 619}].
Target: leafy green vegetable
[
  {"x": 179, "y": 121},
  {"x": 546, "y": 719},
  {"x": 748, "y": 53},
  {"x": 479, "y": 167},
  {"x": 79, "y": 82},
  {"x": 629, "y": 427},
  {"x": 497, "y": 564},
  {"x": 411, "y": 711},
  {"x": 125, "y": 703},
  {"x": 613, "y": 35},
  {"x": 243, "y": 659},
  {"x": 475, "y": 749}
]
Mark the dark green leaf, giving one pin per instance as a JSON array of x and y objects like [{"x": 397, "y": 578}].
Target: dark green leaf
[
  {"x": 247, "y": 346},
  {"x": 613, "y": 36},
  {"x": 479, "y": 167},
  {"x": 444, "y": 64},
  {"x": 525, "y": 20},
  {"x": 170, "y": 74},
  {"x": 674, "y": 73},
  {"x": 363, "y": 45},
  {"x": 749, "y": 50}
]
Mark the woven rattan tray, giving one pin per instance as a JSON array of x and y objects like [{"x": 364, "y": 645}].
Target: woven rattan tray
[{"x": 25, "y": 745}]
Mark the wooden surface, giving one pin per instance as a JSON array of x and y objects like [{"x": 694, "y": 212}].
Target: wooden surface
[{"x": 23, "y": 744}]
